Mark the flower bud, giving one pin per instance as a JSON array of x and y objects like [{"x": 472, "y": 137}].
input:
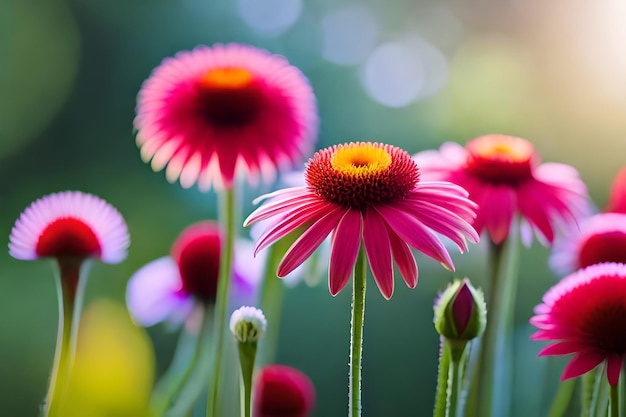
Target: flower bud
[
  {"x": 460, "y": 311},
  {"x": 248, "y": 324}
]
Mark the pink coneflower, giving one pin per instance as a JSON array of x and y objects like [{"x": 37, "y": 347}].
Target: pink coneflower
[
  {"x": 282, "y": 391},
  {"x": 601, "y": 238},
  {"x": 617, "y": 201},
  {"x": 370, "y": 193},
  {"x": 503, "y": 176},
  {"x": 214, "y": 111},
  {"x": 168, "y": 288},
  {"x": 70, "y": 226},
  {"x": 585, "y": 314}
]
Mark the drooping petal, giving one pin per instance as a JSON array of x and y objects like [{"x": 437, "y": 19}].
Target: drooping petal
[
  {"x": 293, "y": 220},
  {"x": 378, "y": 248},
  {"x": 404, "y": 258},
  {"x": 614, "y": 367},
  {"x": 344, "y": 250},
  {"x": 561, "y": 348},
  {"x": 580, "y": 364},
  {"x": 306, "y": 244},
  {"x": 415, "y": 234}
]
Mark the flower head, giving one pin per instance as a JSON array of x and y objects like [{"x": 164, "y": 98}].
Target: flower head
[
  {"x": 370, "y": 193},
  {"x": 248, "y": 324},
  {"x": 215, "y": 111},
  {"x": 503, "y": 176},
  {"x": 169, "y": 287},
  {"x": 617, "y": 201},
  {"x": 585, "y": 314},
  {"x": 600, "y": 238},
  {"x": 70, "y": 225},
  {"x": 283, "y": 391},
  {"x": 460, "y": 311}
]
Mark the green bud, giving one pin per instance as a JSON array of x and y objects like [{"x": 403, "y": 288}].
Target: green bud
[{"x": 460, "y": 311}]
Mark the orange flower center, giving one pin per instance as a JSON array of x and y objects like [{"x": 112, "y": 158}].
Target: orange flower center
[
  {"x": 500, "y": 159},
  {"x": 229, "y": 96},
  {"x": 358, "y": 175},
  {"x": 68, "y": 237}
]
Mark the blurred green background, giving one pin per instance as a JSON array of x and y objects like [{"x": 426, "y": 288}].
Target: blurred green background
[{"x": 413, "y": 73}]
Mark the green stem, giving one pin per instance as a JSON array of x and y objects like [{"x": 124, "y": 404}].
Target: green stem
[
  {"x": 563, "y": 398},
  {"x": 441, "y": 397},
  {"x": 247, "y": 354},
  {"x": 70, "y": 290},
  {"x": 456, "y": 377},
  {"x": 356, "y": 333},
  {"x": 493, "y": 373},
  {"x": 179, "y": 389},
  {"x": 272, "y": 292},
  {"x": 614, "y": 400},
  {"x": 228, "y": 216}
]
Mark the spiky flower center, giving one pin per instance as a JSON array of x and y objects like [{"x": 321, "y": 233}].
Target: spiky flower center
[
  {"x": 68, "y": 237},
  {"x": 361, "y": 174},
  {"x": 609, "y": 246},
  {"x": 500, "y": 159},
  {"x": 229, "y": 96}
]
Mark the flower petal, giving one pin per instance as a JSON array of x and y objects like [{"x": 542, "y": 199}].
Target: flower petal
[
  {"x": 153, "y": 293},
  {"x": 613, "y": 368},
  {"x": 306, "y": 244},
  {"x": 415, "y": 234},
  {"x": 581, "y": 364},
  {"x": 404, "y": 258},
  {"x": 561, "y": 348},
  {"x": 344, "y": 250},
  {"x": 378, "y": 248}
]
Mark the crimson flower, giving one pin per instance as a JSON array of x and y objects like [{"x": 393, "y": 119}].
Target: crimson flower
[
  {"x": 585, "y": 315},
  {"x": 215, "y": 111},
  {"x": 170, "y": 287},
  {"x": 503, "y": 176},
  {"x": 367, "y": 193},
  {"x": 282, "y": 391},
  {"x": 600, "y": 238}
]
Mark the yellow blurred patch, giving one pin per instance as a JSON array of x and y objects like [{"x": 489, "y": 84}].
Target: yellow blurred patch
[{"x": 114, "y": 368}]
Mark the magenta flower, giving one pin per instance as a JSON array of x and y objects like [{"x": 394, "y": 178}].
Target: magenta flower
[
  {"x": 213, "y": 111},
  {"x": 282, "y": 391},
  {"x": 70, "y": 226},
  {"x": 169, "y": 288},
  {"x": 585, "y": 314},
  {"x": 370, "y": 193},
  {"x": 617, "y": 201},
  {"x": 600, "y": 238},
  {"x": 503, "y": 176}
]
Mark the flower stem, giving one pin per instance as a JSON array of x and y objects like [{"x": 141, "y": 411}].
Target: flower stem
[
  {"x": 247, "y": 354},
  {"x": 614, "y": 400},
  {"x": 449, "y": 398},
  {"x": 228, "y": 215},
  {"x": 492, "y": 382},
  {"x": 184, "y": 381},
  {"x": 356, "y": 333},
  {"x": 441, "y": 397},
  {"x": 70, "y": 290}
]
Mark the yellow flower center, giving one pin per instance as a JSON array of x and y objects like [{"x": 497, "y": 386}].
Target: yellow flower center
[
  {"x": 501, "y": 159},
  {"x": 362, "y": 174},
  {"x": 360, "y": 159},
  {"x": 228, "y": 77}
]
